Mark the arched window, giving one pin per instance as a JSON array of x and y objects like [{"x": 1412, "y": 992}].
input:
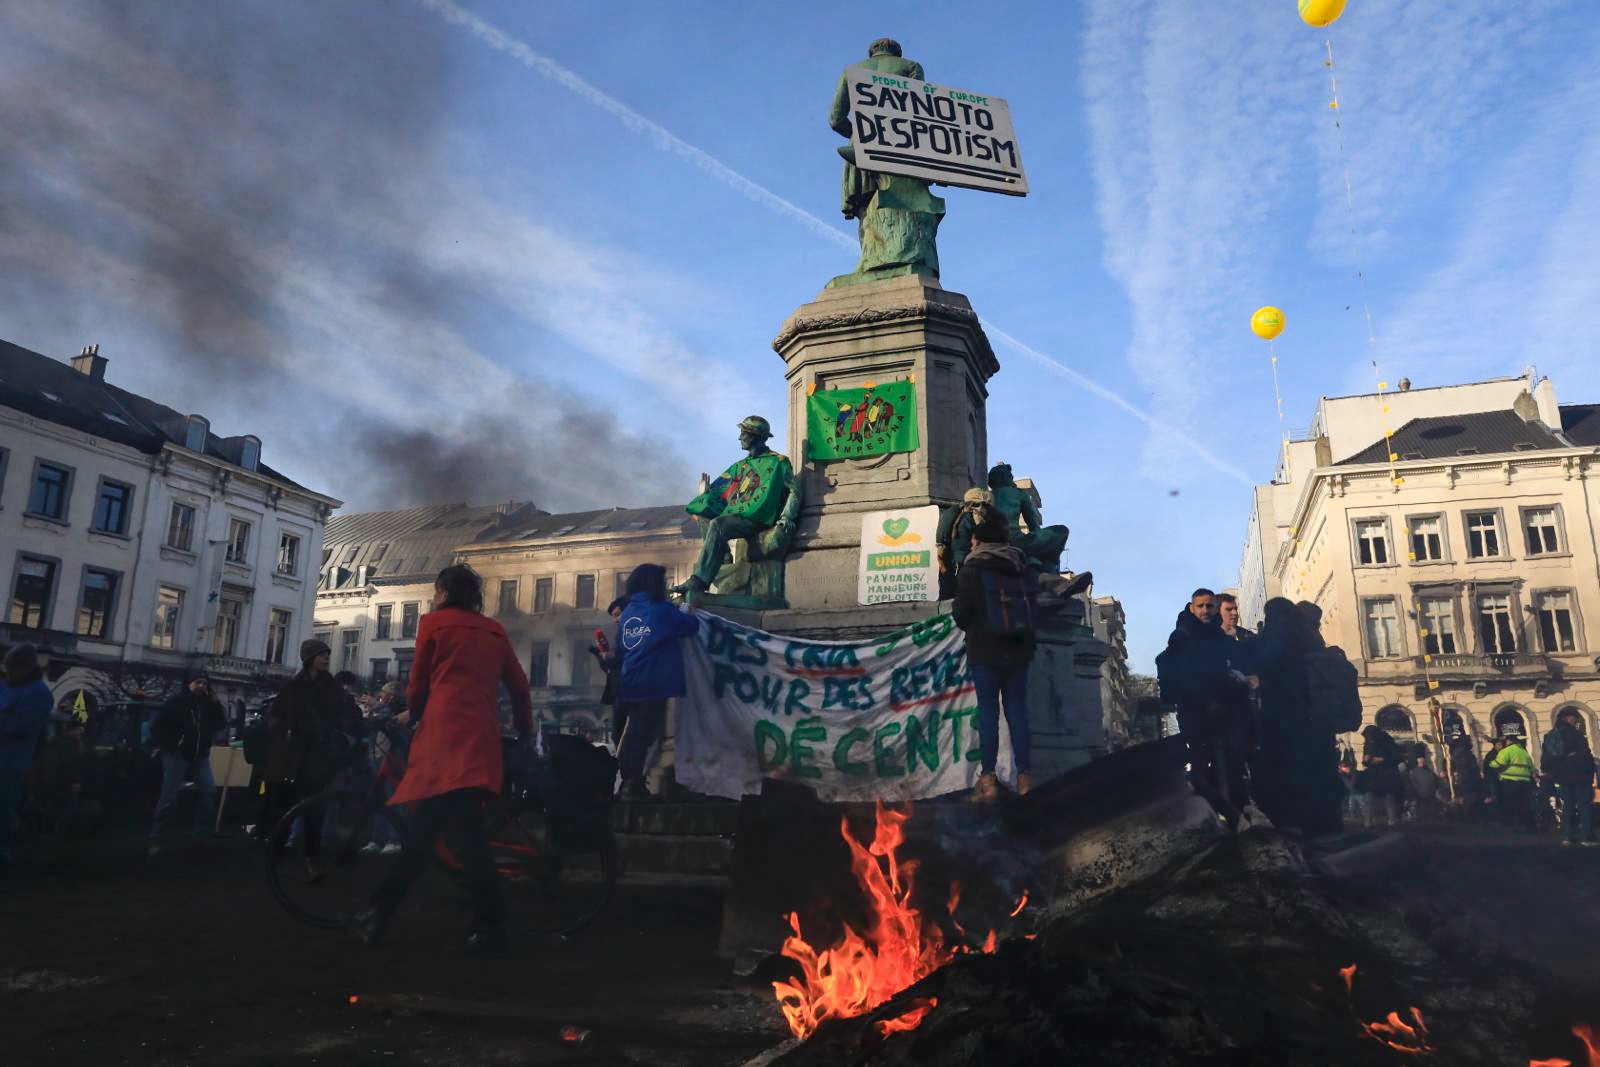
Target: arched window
[
  {"x": 1510, "y": 722},
  {"x": 1395, "y": 719}
]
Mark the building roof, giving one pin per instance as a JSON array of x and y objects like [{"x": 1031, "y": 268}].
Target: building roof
[
  {"x": 49, "y": 389},
  {"x": 414, "y": 543},
  {"x": 1581, "y": 424},
  {"x": 1450, "y": 436},
  {"x": 405, "y": 545}
]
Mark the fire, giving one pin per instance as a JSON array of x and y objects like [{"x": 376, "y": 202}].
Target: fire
[
  {"x": 1591, "y": 1047},
  {"x": 1409, "y": 1037},
  {"x": 863, "y": 970},
  {"x": 1023, "y": 903}
]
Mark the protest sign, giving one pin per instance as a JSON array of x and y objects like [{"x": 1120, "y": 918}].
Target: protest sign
[
  {"x": 899, "y": 556},
  {"x": 903, "y": 126},
  {"x": 870, "y": 421},
  {"x": 891, "y": 718}
]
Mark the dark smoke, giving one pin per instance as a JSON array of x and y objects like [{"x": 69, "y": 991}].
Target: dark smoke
[{"x": 189, "y": 164}]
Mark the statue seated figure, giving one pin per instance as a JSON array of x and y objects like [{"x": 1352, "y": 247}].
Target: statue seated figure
[
  {"x": 757, "y": 500},
  {"x": 1040, "y": 545}
]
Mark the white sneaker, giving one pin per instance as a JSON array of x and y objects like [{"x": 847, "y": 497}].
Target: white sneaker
[
  {"x": 390, "y": 849},
  {"x": 370, "y": 848}
]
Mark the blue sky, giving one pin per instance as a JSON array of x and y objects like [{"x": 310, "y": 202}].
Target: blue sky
[{"x": 430, "y": 250}]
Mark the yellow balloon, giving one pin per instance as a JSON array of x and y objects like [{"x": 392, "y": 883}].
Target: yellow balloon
[
  {"x": 1267, "y": 322},
  {"x": 1321, "y": 12}
]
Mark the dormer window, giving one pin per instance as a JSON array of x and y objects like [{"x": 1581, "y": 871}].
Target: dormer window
[
  {"x": 194, "y": 438},
  {"x": 250, "y": 453}
]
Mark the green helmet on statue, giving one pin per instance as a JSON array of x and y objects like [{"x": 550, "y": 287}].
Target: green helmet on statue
[{"x": 757, "y": 425}]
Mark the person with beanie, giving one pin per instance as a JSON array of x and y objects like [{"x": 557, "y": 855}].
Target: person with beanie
[
  {"x": 183, "y": 731},
  {"x": 308, "y": 725},
  {"x": 24, "y": 711}
]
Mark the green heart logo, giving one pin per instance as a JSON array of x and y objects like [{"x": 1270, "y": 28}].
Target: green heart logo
[{"x": 895, "y": 527}]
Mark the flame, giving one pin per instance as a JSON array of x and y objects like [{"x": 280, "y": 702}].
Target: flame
[
  {"x": 1023, "y": 903},
  {"x": 862, "y": 970},
  {"x": 1411, "y": 1037},
  {"x": 1591, "y": 1046},
  {"x": 910, "y": 1019}
]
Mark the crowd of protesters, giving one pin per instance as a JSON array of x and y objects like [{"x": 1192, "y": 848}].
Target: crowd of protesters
[{"x": 1261, "y": 714}]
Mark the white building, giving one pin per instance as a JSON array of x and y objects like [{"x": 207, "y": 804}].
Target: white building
[
  {"x": 138, "y": 546},
  {"x": 1451, "y": 538}
]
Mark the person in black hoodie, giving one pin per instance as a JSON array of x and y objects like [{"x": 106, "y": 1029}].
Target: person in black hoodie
[
  {"x": 1566, "y": 759},
  {"x": 183, "y": 731},
  {"x": 994, "y": 605},
  {"x": 1199, "y": 674},
  {"x": 309, "y": 724}
]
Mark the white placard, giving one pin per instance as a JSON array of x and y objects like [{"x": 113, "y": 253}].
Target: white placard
[
  {"x": 900, "y": 125},
  {"x": 899, "y": 556}
]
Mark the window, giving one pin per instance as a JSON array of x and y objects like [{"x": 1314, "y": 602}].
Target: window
[
  {"x": 544, "y": 593},
  {"x": 225, "y": 638},
  {"x": 250, "y": 456},
  {"x": 622, "y": 583},
  {"x": 408, "y": 621},
  {"x": 380, "y": 673},
  {"x": 508, "y": 597},
  {"x": 402, "y": 669},
  {"x": 1540, "y": 526},
  {"x": 1556, "y": 632},
  {"x": 578, "y": 642},
  {"x": 350, "y": 555},
  {"x": 1483, "y": 534},
  {"x": 95, "y": 602},
  {"x": 325, "y": 636},
  {"x": 539, "y": 665},
  {"x": 111, "y": 507},
  {"x": 349, "y": 649},
  {"x": 1383, "y": 628},
  {"x": 1438, "y": 626},
  {"x": 30, "y": 596},
  {"x": 52, "y": 486},
  {"x": 277, "y": 634},
  {"x": 385, "y": 621},
  {"x": 194, "y": 438},
  {"x": 583, "y": 594},
  {"x": 238, "y": 541},
  {"x": 1372, "y": 541},
  {"x": 169, "y": 612},
  {"x": 180, "y": 527},
  {"x": 1495, "y": 631},
  {"x": 1427, "y": 539},
  {"x": 421, "y": 566},
  {"x": 377, "y": 553},
  {"x": 288, "y": 554}
]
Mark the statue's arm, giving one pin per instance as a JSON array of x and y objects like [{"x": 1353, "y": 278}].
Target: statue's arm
[
  {"x": 839, "y": 113},
  {"x": 1030, "y": 514},
  {"x": 710, "y": 504}
]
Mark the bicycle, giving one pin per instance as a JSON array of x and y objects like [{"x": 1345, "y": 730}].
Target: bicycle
[{"x": 549, "y": 831}]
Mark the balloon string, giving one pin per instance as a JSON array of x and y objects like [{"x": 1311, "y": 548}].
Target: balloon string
[{"x": 1277, "y": 396}]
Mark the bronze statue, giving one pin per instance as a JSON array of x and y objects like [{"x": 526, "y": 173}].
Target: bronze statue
[
  {"x": 1040, "y": 544},
  {"x": 898, "y": 216},
  {"x": 757, "y": 500}
]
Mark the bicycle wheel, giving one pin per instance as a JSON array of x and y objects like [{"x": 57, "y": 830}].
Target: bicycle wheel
[
  {"x": 554, "y": 892},
  {"x": 348, "y": 867}
]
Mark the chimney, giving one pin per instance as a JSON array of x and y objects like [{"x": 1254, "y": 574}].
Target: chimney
[
  {"x": 90, "y": 362},
  {"x": 1405, "y": 385},
  {"x": 1525, "y": 406}
]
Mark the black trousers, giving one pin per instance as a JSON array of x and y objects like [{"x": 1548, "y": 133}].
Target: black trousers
[
  {"x": 643, "y": 720},
  {"x": 283, "y": 795},
  {"x": 1218, "y": 740},
  {"x": 458, "y": 818}
]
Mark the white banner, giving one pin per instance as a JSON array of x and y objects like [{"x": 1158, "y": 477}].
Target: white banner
[
  {"x": 933, "y": 132},
  {"x": 899, "y": 556},
  {"x": 892, "y": 718}
]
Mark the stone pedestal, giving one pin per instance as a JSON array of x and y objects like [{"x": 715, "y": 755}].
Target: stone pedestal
[{"x": 879, "y": 332}]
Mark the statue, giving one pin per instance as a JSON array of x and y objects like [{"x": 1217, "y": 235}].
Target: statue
[
  {"x": 898, "y": 216},
  {"x": 1039, "y": 544},
  {"x": 757, "y": 500}
]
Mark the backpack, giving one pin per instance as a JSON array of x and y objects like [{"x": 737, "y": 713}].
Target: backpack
[
  {"x": 1332, "y": 690},
  {"x": 1010, "y": 603}
]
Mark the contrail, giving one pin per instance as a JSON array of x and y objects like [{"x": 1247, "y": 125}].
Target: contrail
[{"x": 665, "y": 139}]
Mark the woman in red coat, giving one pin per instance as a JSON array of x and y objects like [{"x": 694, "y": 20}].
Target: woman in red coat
[{"x": 455, "y": 764}]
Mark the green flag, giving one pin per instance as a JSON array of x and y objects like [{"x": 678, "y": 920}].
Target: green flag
[{"x": 847, "y": 423}]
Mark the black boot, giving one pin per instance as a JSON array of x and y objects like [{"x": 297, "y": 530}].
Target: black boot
[
  {"x": 372, "y": 924},
  {"x": 487, "y": 942}
]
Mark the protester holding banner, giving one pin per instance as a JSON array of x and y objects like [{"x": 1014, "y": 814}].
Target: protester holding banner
[
  {"x": 649, "y": 639},
  {"x": 994, "y": 605}
]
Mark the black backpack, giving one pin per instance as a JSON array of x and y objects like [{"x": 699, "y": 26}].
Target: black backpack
[
  {"x": 1010, "y": 603},
  {"x": 1333, "y": 690}
]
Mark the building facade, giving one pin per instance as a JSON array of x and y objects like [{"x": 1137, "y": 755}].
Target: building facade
[
  {"x": 547, "y": 578},
  {"x": 1450, "y": 538},
  {"x": 139, "y": 546},
  {"x": 1118, "y": 701}
]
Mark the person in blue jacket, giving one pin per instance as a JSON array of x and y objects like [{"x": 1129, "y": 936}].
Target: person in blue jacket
[
  {"x": 648, "y": 640},
  {"x": 24, "y": 711}
]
